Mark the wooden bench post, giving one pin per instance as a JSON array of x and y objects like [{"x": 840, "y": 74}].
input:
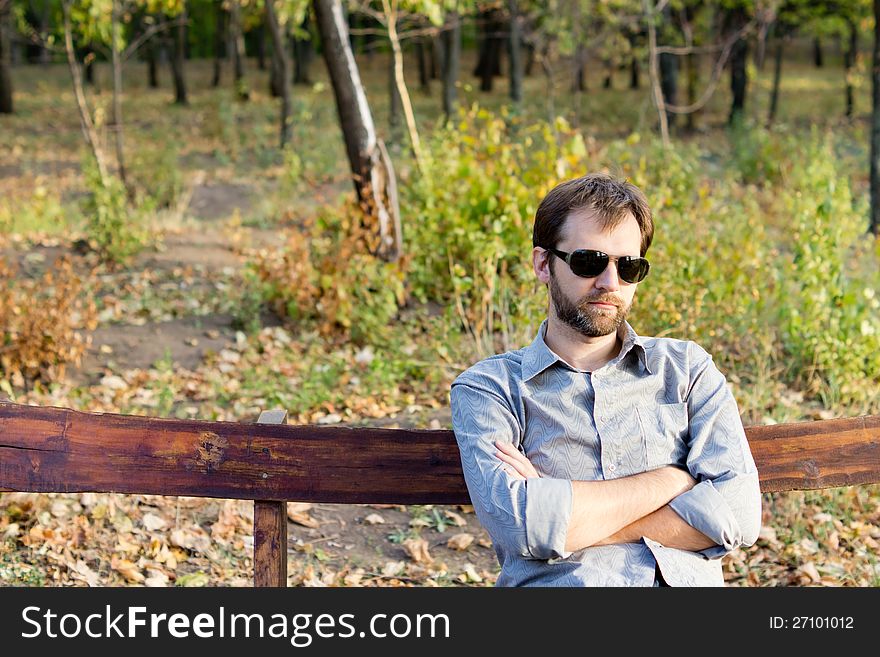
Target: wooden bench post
[{"x": 270, "y": 528}]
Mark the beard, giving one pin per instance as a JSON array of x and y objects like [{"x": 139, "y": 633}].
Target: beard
[{"x": 589, "y": 321}]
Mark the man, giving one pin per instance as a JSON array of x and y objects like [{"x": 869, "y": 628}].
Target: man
[{"x": 594, "y": 456}]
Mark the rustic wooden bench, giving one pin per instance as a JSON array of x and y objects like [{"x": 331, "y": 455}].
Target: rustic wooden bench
[{"x": 48, "y": 449}]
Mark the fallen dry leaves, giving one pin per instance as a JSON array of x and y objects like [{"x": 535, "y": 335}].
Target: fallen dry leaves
[
  {"x": 298, "y": 512},
  {"x": 460, "y": 541},
  {"x": 417, "y": 549}
]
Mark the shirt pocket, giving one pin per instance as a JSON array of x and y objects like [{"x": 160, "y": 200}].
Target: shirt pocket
[{"x": 664, "y": 430}]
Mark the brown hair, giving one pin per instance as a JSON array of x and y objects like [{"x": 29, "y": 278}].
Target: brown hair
[{"x": 609, "y": 198}]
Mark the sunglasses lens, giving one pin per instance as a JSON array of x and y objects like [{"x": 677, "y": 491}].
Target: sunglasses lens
[
  {"x": 633, "y": 270},
  {"x": 588, "y": 263}
]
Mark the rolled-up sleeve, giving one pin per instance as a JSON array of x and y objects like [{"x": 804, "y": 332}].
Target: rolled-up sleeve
[
  {"x": 725, "y": 505},
  {"x": 528, "y": 518}
]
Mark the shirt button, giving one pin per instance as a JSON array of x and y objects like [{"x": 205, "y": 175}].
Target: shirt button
[{"x": 612, "y": 468}]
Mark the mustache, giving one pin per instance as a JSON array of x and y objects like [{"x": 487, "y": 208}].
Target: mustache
[{"x": 611, "y": 300}]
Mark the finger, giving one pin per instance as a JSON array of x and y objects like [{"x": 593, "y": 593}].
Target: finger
[
  {"x": 519, "y": 464},
  {"x": 513, "y": 473},
  {"x": 507, "y": 447},
  {"x": 523, "y": 472},
  {"x": 510, "y": 450},
  {"x": 507, "y": 458}
]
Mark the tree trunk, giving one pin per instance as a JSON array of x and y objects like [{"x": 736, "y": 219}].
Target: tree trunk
[
  {"x": 654, "y": 70},
  {"x": 6, "y": 106},
  {"x": 482, "y": 42},
  {"x": 116, "y": 61},
  {"x": 45, "y": 56},
  {"x": 452, "y": 50},
  {"x": 89, "y": 67},
  {"x": 238, "y": 52},
  {"x": 761, "y": 49},
  {"x": 579, "y": 80},
  {"x": 849, "y": 62},
  {"x": 302, "y": 50},
  {"x": 397, "y": 52},
  {"x": 669, "y": 83},
  {"x": 514, "y": 47},
  {"x": 260, "y": 38},
  {"x": 489, "y": 62},
  {"x": 282, "y": 66},
  {"x": 579, "y": 63},
  {"x": 152, "y": 66},
  {"x": 608, "y": 82},
  {"x": 692, "y": 77},
  {"x": 549, "y": 96},
  {"x": 874, "y": 226},
  {"x": 424, "y": 82},
  {"x": 178, "y": 60},
  {"x": 632, "y": 35},
  {"x": 492, "y": 65},
  {"x": 85, "y": 117},
  {"x": 777, "y": 77},
  {"x": 436, "y": 59},
  {"x": 369, "y": 40},
  {"x": 530, "y": 58},
  {"x": 738, "y": 74},
  {"x": 818, "y": 59},
  {"x": 394, "y": 105},
  {"x": 691, "y": 65},
  {"x": 373, "y": 173},
  {"x": 220, "y": 30},
  {"x": 274, "y": 82}
]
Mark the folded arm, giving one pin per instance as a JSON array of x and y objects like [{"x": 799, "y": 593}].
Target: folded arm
[{"x": 600, "y": 509}]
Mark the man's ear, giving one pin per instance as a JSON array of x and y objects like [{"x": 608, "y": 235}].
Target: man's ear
[{"x": 541, "y": 264}]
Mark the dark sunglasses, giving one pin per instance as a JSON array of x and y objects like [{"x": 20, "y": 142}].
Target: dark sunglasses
[{"x": 589, "y": 264}]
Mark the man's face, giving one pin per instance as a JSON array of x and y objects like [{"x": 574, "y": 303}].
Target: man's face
[{"x": 575, "y": 300}]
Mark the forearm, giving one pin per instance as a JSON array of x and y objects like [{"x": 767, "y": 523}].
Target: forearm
[
  {"x": 664, "y": 526},
  {"x": 600, "y": 509}
]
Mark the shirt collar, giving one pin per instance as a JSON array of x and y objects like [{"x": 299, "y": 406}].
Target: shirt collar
[{"x": 538, "y": 356}]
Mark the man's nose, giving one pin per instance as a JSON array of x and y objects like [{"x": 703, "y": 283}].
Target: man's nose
[{"x": 609, "y": 279}]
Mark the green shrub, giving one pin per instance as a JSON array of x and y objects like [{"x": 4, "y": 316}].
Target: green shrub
[
  {"x": 40, "y": 211},
  {"x": 155, "y": 174},
  {"x": 328, "y": 275},
  {"x": 114, "y": 228},
  {"x": 829, "y": 314},
  {"x": 755, "y": 154},
  {"x": 246, "y": 302},
  {"x": 709, "y": 281}
]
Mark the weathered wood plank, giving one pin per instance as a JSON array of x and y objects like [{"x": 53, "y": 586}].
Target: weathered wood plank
[
  {"x": 270, "y": 529},
  {"x": 46, "y": 449},
  {"x": 821, "y": 454}
]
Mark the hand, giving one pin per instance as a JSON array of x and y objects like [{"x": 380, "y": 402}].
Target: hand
[{"x": 518, "y": 466}]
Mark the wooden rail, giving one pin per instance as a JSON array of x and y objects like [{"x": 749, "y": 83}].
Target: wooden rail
[{"x": 48, "y": 449}]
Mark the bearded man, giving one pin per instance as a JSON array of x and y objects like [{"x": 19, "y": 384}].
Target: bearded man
[{"x": 595, "y": 456}]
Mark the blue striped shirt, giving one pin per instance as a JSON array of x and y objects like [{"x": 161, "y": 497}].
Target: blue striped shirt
[{"x": 659, "y": 402}]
